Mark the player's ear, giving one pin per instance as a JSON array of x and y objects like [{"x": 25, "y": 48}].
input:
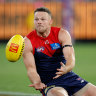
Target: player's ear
[{"x": 51, "y": 21}]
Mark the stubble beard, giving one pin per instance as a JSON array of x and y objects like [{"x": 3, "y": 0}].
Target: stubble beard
[{"x": 41, "y": 32}]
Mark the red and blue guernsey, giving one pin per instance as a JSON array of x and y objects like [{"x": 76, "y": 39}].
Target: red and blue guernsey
[
  {"x": 48, "y": 55},
  {"x": 47, "y": 52}
]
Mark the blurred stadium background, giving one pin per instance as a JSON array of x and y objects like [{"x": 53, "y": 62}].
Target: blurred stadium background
[{"x": 76, "y": 16}]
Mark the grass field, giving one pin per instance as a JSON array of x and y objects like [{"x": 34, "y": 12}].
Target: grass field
[{"x": 13, "y": 76}]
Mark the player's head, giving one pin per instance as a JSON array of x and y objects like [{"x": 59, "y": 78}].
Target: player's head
[
  {"x": 43, "y": 9},
  {"x": 42, "y": 19}
]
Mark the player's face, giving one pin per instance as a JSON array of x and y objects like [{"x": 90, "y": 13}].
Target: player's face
[{"x": 42, "y": 21}]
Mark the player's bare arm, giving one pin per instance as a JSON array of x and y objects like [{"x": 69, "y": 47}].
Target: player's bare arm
[
  {"x": 29, "y": 62},
  {"x": 68, "y": 52}
]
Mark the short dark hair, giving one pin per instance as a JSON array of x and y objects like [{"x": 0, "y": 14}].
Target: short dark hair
[{"x": 43, "y": 9}]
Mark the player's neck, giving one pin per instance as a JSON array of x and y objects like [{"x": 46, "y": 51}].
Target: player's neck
[{"x": 44, "y": 34}]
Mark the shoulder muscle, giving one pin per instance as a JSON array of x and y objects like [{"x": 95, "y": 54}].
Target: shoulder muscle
[
  {"x": 64, "y": 37},
  {"x": 28, "y": 46}
]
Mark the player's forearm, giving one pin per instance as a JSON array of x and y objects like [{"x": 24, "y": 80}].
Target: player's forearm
[
  {"x": 70, "y": 63},
  {"x": 31, "y": 69},
  {"x": 70, "y": 58},
  {"x": 33, "y": 76}
]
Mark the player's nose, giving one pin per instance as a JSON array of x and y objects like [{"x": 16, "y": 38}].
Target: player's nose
[{"x": 39, "y": 21}]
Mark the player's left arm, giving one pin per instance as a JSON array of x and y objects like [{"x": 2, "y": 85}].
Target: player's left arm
[{"x": 68, "y": 51}]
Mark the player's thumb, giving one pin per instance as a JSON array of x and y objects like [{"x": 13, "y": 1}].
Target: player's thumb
[
  {"x": 62, "y": 64},
  {"x": 31, "y": 85}
]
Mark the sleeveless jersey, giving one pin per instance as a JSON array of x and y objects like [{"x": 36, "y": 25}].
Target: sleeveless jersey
[{"x": 48, "y": 53}]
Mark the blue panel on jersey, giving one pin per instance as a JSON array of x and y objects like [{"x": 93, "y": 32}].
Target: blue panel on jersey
[{"x": 55, "y": 46}]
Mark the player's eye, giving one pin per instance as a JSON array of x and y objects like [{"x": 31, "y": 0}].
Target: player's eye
[
  {"x": 42, "y": 19},
  {"x": 36, "y": 19}
]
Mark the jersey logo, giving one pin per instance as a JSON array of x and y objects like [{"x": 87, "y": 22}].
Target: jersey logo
[
  {"x": 55, "y": 46},
  {"x": 46, "y": 42},
  {"x": 40, "y": 49}
]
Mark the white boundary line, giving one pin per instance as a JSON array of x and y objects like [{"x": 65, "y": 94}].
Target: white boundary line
[{"x": 17, "y": 94}]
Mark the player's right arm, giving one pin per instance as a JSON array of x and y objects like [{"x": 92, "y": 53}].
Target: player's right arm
[{"x": 29, "y": 62}]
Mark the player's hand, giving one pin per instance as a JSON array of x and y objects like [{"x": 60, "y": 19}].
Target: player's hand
[
  {"x": 38, "y": 86},
  {"x": 61, "y": 71}
]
